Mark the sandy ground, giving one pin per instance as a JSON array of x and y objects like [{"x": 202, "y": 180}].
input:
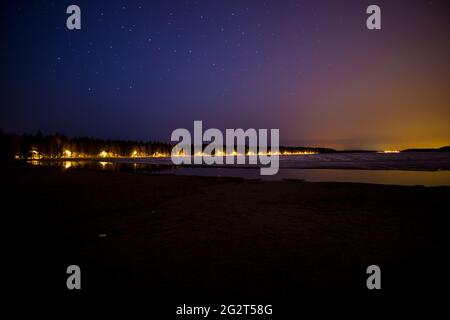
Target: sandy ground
[{"x": 182, "y": 237}]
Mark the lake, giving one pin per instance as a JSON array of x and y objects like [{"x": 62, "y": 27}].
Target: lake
[{"x": 415, "y": 168}]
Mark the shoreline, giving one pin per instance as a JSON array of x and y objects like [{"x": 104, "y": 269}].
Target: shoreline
[
  {"x": 183, "y": 236},
  {"x": 412, "y": 161},
  {"x": 374, "y": 175}
]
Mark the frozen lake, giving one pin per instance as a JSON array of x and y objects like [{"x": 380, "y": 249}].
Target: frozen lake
[
  {"x": 369, "y": 161},
  {"x": 429, "y": 169}
]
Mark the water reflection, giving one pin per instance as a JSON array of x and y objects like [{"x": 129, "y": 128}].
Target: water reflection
[
  {"x": 103, "y": 165},
  {"x": 398, "y": 177}
]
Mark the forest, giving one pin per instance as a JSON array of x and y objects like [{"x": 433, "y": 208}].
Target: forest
[
  {"x": 39, "y": 146},
  {"x": 58, "y": 146}
]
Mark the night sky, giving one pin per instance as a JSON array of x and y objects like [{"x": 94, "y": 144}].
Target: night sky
[{"x": 140, "y": 69}]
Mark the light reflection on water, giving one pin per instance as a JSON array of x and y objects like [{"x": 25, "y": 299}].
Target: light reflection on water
[
  {"x": 397, "y": 177},
  {"x": 102, "y": 165}
]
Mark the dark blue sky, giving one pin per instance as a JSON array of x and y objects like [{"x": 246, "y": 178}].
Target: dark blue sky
[{"x": 140, "y": 69}]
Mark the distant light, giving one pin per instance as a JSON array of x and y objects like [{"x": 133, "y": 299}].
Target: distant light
[
  {"x": 103, "y": 154},
  {"x": 391, "y": 151},
  {"x": 67, "y": 153},
  {"x": 296, "y": 153},
  {"x": 35, "y": 154}
]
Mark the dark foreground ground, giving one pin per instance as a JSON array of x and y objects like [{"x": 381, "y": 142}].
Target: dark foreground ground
[{"x": 185, "y": 238}]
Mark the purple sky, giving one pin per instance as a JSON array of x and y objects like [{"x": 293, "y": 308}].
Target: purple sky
[{"x": 140, "y": 69}]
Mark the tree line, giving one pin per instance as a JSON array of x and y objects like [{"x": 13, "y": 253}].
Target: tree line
[
  {"x": 54, "y": 146},
  {"x": 28, "y": 146}
]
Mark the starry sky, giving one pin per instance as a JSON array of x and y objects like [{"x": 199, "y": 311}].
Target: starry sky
[{"x": 140, "y": 69}]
